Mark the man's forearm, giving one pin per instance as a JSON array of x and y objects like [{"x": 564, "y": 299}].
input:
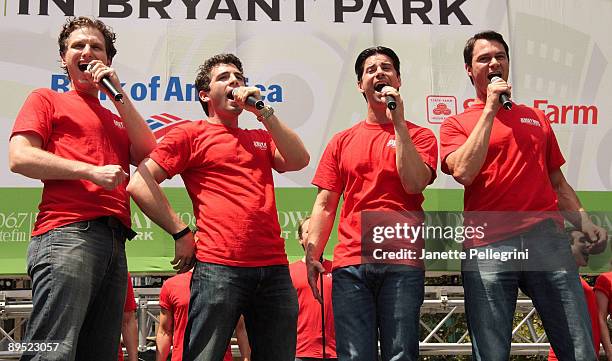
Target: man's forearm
[
  {"x": 414, "y": 174},
  {"x": 243, "y": 340},
  {"x": 569, "y": 204},
  {"x": 465, "y": 163},
  {"x": 288, "y": 143},
  {"x": 321, "y": 223},
  {"x": 150, "y": 198},
  {"x": 163, "y": 342},
  {"x": 129, "y": 331},
  {"x": 567, "y": 200},
  {"x": 605, "y": 336},
  {"x": 141, "y": 137}
]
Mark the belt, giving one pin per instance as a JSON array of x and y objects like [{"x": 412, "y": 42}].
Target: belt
[{"x": 113, "y": 222}]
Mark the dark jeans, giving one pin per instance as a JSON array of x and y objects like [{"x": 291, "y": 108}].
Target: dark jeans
[
  {"x": 220, "y": 294},
  {"x": 79, "y": 278},
  {"x": 377, "y": 300},
  {"x": 549, "y": 277}
]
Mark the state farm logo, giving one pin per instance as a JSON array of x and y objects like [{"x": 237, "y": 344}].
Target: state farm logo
[{"x": 440, "y": 107}]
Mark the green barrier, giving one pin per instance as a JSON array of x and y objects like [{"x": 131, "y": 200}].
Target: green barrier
[{"x": 153, "y": 249}]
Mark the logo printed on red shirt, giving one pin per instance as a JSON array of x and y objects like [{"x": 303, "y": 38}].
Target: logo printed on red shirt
[
  {"x": 119, "y": 124},
  {"x": 391, "y": 143},
  {"x": 260, "y": 145},
  {"x": 531, "y": 122}
]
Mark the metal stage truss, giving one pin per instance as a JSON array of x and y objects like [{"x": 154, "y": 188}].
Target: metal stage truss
[{"x": 442, "y": 322}]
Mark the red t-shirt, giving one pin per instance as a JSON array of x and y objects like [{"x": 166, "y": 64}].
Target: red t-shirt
[
  {"x": 130, "y": 305},
  {"x": 522, "y": 152},
  {"x": 359, "y": 162},
  {"x": 591, "y": 301},
  {"x": 174, "y": 297},
  {"x": 309, "y": 341},
  {"x": 228, "y": 175},
  {"x": 603, "y": 284},
  {"x": 75, "y": 126}
]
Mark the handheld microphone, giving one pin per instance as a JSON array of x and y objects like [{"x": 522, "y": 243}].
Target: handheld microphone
[
  {"x": 391, "y": 104},
  {"x": 504, "y": 99},
  {"x": 250, "y": 100},
  {"x": 106, "y": 83}
]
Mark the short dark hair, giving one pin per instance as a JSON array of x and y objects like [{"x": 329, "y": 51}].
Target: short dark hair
[
  {"x": 361, "y": 58},
  {"x": 468, "y": 50},
  {"x": 74, "y": 23},
  {"x": 203, "y": 78},
  {"x": 301, "y": 227}
]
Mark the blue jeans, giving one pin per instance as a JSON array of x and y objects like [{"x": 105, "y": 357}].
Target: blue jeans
[
  {"x": 220, "y": 294},
  {"x": 79, "y": 278},
  {"x": 549, "y": 277},
  {"x": 377, "y": 300}
]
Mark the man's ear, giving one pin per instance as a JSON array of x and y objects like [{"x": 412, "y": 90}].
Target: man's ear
[
  {"x": 359, "y": 87},
  {"x": 203, "y": 96},
  {"x": 468, "y": 68}
]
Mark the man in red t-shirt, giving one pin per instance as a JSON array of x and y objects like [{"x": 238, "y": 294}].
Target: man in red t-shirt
[
  {"x": 82, "y": 152},
  {"x": 309, "y": 336},
  {"x": 509, "y": 162},
  {"x": 581, "y": 250},
  {"x": 174, "y": 303},
  {"x": 241, "y": 266},
  {"x": 382, "y": 165}
]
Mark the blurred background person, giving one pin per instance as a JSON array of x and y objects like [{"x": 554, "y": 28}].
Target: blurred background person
[
  {"x": 582, "y": 248},
  {"x": 174, "y": 308},
  {"x": 309, "y": 336}
]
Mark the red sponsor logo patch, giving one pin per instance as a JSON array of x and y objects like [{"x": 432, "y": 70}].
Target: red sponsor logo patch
[{"x": 440, "y": 107}]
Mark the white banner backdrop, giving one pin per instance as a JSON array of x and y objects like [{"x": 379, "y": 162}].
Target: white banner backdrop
[{"x": 301, "y": 54}]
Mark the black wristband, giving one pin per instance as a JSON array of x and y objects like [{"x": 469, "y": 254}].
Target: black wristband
[{"x": 180, "y": 234}]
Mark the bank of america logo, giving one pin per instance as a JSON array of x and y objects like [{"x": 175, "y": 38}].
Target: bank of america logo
[{"x": 162, "y": 123}]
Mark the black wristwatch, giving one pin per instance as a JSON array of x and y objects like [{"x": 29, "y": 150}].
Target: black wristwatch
[{"x": 181, "y": 233}]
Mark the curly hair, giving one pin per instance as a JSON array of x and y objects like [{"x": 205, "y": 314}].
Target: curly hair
[
  {"x": 203, "y": 78},
  {"x": 74, "y": 23}
]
